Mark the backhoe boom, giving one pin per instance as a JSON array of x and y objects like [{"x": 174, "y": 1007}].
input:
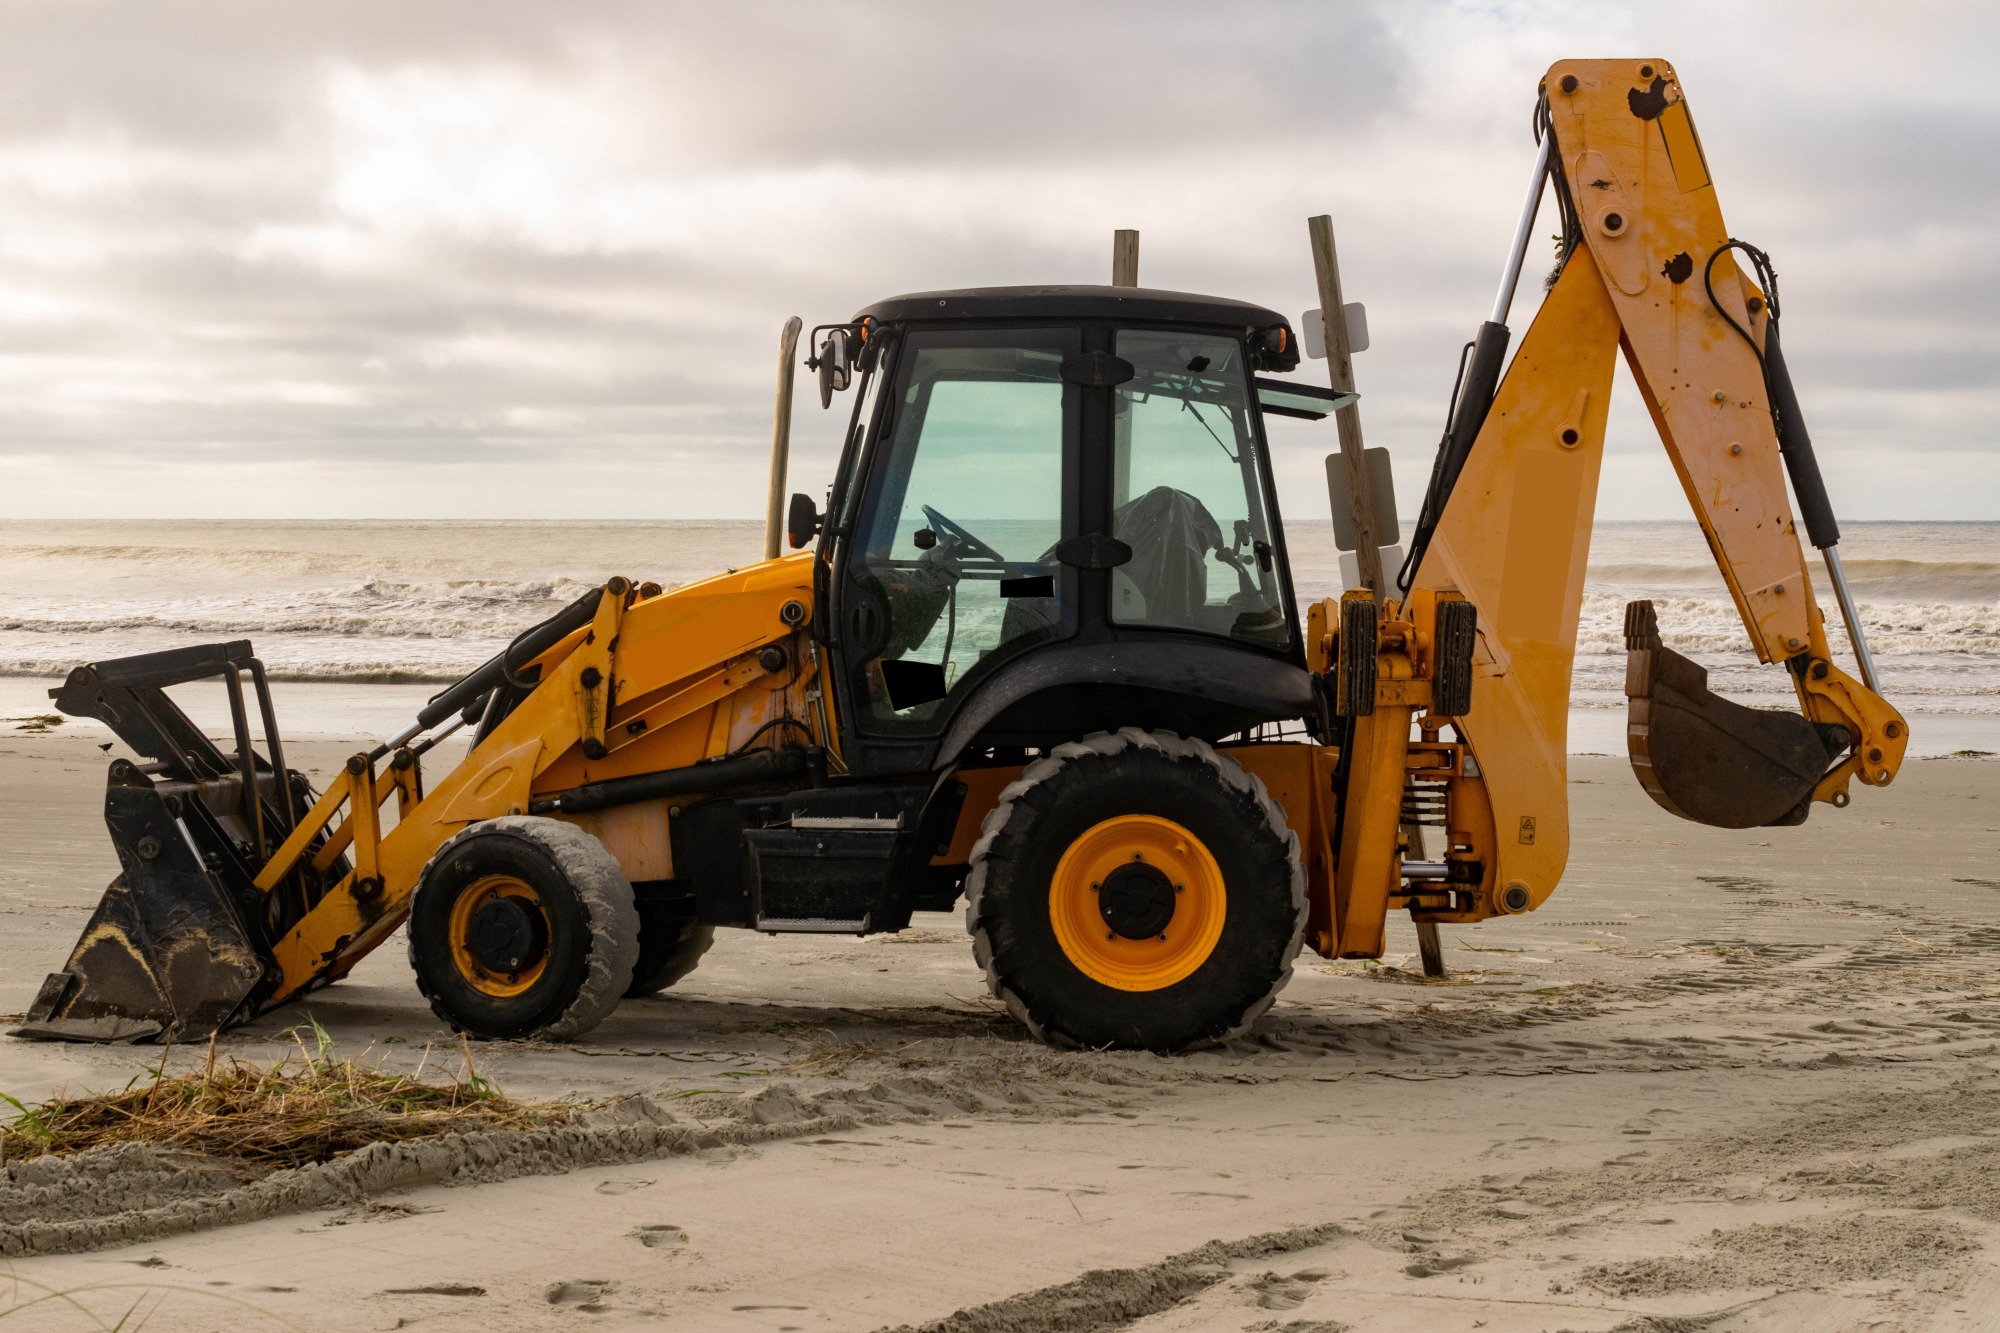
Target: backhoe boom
[{"x": 1644, "y": 246}]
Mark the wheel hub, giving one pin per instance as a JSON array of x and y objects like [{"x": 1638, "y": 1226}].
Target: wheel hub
[
  {"x": 505, "y": 936},
  {"x": 1136, "y": 901}
]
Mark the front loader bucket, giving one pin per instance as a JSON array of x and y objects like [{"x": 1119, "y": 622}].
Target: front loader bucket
[
  {"x": 166, "y": 953},
  {"x": 1707, "y": 758},
  {"x": 179, "y": 946}
]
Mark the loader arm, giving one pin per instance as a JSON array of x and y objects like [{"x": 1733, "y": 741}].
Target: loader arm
[
  {"x": 1513, "y": 533},
  {"x": 653, "y": 684}
]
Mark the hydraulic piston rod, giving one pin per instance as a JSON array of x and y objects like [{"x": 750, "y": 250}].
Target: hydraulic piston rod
[
  {"x": 1510, "y": 278},
  {"x": 1852, "y": 615},
  {"x": 1481, "y": 376}
]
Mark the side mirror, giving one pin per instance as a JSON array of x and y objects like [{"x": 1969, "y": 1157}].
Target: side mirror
[
  {"x": 802, "y": 520},
  {"x": 835, "y": 365}
]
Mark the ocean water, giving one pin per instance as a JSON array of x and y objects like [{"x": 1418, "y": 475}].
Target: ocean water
[{"x": 364, "y": 620}]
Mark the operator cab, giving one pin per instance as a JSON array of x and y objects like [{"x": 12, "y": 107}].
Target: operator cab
[{"x": 1054, "y": 514}]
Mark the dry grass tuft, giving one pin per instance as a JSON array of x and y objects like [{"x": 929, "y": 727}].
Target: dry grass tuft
[{"x": 306, "y": 1108}]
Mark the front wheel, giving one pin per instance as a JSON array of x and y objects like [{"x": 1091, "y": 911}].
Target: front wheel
[
  {"x": 1136, "y": 889},
  {"x": 523, "y": 927}
]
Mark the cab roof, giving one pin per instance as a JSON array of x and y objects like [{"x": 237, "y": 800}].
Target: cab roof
[{"x": 1073, "y": 302}]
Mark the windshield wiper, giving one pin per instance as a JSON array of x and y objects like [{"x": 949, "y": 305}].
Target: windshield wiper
[{"x": 1187, "y": 405}]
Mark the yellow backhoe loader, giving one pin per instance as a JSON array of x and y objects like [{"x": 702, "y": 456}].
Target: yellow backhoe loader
[{"x": 1044, "y": 656}]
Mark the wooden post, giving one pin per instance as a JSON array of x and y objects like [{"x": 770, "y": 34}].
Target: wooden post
[
  {"x": 1124, "y": 258},
  {"x": 1340, "y": 365},
  {"x": 1367, "y": 545}
]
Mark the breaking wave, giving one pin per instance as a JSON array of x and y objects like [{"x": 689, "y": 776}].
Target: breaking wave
[{"x": 409, "y": 603}]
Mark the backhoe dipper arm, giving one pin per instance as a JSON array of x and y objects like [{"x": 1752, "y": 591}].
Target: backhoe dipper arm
[{"x": 1645, "y": 244}]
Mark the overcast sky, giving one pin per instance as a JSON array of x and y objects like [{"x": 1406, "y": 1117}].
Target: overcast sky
[{"x": 530, "y": 260}]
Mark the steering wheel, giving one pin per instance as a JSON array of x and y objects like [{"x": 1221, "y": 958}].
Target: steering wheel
[{"x": 971, "y": 545}]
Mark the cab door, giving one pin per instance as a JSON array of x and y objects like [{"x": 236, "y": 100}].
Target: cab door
[{"x": 949, "y": 568}]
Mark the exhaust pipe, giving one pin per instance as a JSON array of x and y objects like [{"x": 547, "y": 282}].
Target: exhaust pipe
[{"x": 781, "y": 437}]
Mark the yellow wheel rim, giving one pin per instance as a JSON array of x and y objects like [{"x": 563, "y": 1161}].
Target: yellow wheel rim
[
  {"x": 500, "y": 985},
  {"x": 1142, "y": 851}
]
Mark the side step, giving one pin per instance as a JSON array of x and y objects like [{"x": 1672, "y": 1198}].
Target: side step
[
  {"x": 1707, "y": 758},
  {"x": 803, "y": 874}
]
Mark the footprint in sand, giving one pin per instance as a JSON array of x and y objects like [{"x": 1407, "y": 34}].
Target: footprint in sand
[
  {"x": 621, "y": 1186},
  {"x": 1285, "y": 1293},
  {"x": 662, "y": 1235},
  {"x": 579, "y": 1293}
]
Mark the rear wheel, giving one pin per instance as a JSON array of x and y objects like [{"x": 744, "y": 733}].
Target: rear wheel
[
  {"x": 1136, "y": 889},
  {"x": 523, "y": 927},
  {"x": 671, "y": 942}
]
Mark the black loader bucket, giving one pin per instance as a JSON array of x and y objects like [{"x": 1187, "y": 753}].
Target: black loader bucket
[
  {"x": 180, "y": 945},
  {"x": 1708, "y": 758}
]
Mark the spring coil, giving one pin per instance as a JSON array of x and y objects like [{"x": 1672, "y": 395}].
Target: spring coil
[{"x": 1424, "y": 804}]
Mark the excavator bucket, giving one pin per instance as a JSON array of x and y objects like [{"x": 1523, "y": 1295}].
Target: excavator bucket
[
  {"x": 1708, "y": 758},
  {"x": 179, "y": 947}
]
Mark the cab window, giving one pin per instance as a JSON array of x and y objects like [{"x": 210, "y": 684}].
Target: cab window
[{"x": 1187, "y": 493}]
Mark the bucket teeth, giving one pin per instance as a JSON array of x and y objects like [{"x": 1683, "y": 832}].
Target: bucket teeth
[{"x": 1642, "y": 627}]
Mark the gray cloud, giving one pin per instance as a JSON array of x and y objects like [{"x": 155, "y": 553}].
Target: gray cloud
[{"x": 520, "y": 259}]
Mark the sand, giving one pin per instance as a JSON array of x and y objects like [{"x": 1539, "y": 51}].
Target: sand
[{"x": 1723, "y": 1081}]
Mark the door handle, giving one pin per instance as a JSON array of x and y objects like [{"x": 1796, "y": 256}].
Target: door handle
[{"x": 866, "y": 621}]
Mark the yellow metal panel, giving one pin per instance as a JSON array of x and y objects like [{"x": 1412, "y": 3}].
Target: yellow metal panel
[
  {"x": 636, "y": 834},
  {"x": 1703, "y": 385},
  {"x": 1367, "y": 871},
  {"x": 1514, "y": 540},
  {"x": 982, "y": 792},
  {"x": 1684, "y": 149},
  {"x": 1541, "y": 542},
  {"x": 1300, "y": 779}
]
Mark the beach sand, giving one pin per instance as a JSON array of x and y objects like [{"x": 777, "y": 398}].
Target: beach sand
[{"x": 1722, "y": 1081}]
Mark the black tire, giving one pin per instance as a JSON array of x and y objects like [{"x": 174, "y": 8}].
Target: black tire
[
  {"x": 671, "y": 943},
  {"x": 578, "y": 962},
  {"x": 1072, "y": 792}
]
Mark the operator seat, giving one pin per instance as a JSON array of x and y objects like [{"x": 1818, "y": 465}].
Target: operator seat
[{"x": 1170, "y": 533}]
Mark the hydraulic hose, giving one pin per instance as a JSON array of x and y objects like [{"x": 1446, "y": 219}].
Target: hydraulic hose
[{"x": 500, "y": 668}]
